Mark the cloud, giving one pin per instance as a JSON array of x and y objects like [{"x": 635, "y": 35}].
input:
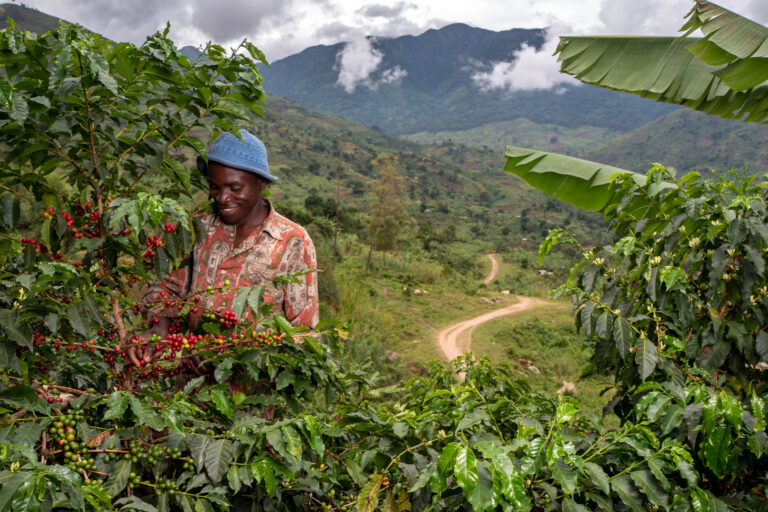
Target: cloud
[
  {"x": 336, "y": 31},
  {"x": 656, "y": 17},
  {"x": 384, "y": 11},
  {"x": 356, "y": 61},
  {"x": 529, "y": 69},
  {"x": 358, "y": 65},
  {"x": 392, "y": 75},
  {"x": 236, "y": 18}
]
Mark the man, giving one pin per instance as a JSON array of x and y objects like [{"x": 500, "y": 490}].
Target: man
[{"x": 244, "y": 243}]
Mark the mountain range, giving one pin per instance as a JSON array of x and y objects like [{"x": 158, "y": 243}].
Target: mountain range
[{"x": 429, "y": 83}]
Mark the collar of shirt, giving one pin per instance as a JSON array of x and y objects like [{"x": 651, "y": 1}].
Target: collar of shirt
[{"x": 269, "y": 226}]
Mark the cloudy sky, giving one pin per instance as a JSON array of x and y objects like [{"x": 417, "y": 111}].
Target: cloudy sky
[{"x": 283, "y": 27}]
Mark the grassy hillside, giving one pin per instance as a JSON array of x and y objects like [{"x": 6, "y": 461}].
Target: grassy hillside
[
  {"x": 27, "y": 18},
  {"x": 685, "y": 139},
  {"x": 689, "y": 141},
  {"x": 525, "y": 133},
  {"x": 458, "y": 195}
]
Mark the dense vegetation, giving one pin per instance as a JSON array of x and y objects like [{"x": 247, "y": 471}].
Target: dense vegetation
[{"x": 251, "y": 413}]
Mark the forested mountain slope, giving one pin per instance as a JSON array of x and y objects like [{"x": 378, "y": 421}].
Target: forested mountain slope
[{"x": 436, "y": 90}]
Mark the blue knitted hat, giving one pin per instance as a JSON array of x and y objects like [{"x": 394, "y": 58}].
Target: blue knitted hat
[{"x": 248, "y": 154}]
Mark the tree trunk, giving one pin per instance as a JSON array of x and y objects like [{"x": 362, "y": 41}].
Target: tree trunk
[{"x": 370, "y": 251}]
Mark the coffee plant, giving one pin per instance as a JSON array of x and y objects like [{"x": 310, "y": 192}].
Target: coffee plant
[
  {"x": 676, "y": 310},
  {"x": 250, "y": 413}
]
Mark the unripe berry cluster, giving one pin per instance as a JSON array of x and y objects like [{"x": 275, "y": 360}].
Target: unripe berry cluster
[{"x": 63, "y": 432}]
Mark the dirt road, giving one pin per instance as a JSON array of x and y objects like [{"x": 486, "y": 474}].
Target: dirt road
[
  {"x": 455, "y": 340},
  {"x": 494, "y": 269}
]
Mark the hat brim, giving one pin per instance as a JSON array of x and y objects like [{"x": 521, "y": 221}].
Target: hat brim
[{"x": 203, "y": 167}]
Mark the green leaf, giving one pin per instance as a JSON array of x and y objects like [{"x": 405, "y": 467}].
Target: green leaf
[
  {"x": 10, "y": 209},
  {"x": 118, "y": 477},
  {"x": 671, "y": 275},
  {"x": 313, "y": 434},
  {"x": 240, "y": 301},
  {"x": 623, "y": 487},
  {"x": 565, "y": 413},
  {"x": 465, "y": 468},
  {"x": 135, "y": 503},
  {"x": 354, "y": 470},
  {"x": 6, "y": 94},
  {"x": 145, "y": 414},
  {"x": 24, "y": 397},
  {"x": 15, "y": 328},
  {"x": 761, "y": 345},
  {"x": 648, "y": 485},
  {"x": 268, "y": 474},
  {"x": 284, "y": 379},
  {"x": 233, "y": 479},
  {"x": 758, "y": 407},
  {"x": 603, "y": 325},
  {"x": 646, "y": 357},
  {"x": 565, "y": 475},
  {"x": 218, "y": 456},
  {"x": 368, "y": 499},
  {"x": 9, "y": 488},
  {"x": 598, "y": 477},
  {"x": 717, "y": 448},
  {"x": 571, "y": 506},
  {"x": 255, "y": 300},
  {"x": 446, "y": 459},
  {"x": 19, "y": 111},
  {"x": 400, "y": 429},
  {"x": 482, "y": 497},
  {"x": 177, "y": 172},
  {"x": 585, "y": 184},
  {"x": 292, "y": 441},
  {"x": 220, "y": 397},
  {"x": 78, "y": 320}
]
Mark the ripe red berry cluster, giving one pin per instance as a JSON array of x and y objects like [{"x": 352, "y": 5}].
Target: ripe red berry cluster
[
  {"x": 170, "y": 228},
  {"x": 228, "y": 319}
]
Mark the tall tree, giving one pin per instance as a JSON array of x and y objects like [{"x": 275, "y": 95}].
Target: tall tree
[{"x": 389, "y": 211}]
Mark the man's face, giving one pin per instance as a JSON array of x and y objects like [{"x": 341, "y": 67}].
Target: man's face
[{"x": 236, "y": 194}]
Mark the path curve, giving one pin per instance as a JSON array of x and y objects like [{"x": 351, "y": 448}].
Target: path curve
[
  {"x": 494, "y": 269},
  {"x": 456, "y": 340}
]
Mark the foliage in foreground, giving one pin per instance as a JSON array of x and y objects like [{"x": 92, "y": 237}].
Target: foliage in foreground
[
  {"x": 314, "y": 443},
  {"x": 676, "y": 310},
  {"x": 249, "y": 413}
]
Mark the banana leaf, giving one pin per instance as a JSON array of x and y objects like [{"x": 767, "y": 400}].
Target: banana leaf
[
  {"x": 723, "y": 73},
  {"x": 588, "y": 185}
]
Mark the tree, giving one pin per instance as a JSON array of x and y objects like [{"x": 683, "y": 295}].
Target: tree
[{"x": 389, "y": 211}]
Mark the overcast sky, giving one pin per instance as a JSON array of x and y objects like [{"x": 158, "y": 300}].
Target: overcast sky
[{"x": 283, "y": 27}]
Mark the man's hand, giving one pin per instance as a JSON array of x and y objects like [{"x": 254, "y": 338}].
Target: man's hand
[{"x": 161, "y": 329}]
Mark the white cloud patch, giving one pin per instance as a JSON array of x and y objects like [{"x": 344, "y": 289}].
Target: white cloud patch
[
  {"x": 358, "y": 63},
  {"x": 529, "y": 69},
  {"x": 393, "y": 75}
]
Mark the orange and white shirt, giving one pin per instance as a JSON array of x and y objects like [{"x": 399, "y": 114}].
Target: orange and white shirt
[{"x": 278, "y": 247}]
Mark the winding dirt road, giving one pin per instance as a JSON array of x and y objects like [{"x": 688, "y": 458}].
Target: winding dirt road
[
  {"x": 494, "y": 269},
  {"x": 456, "y": 340}
]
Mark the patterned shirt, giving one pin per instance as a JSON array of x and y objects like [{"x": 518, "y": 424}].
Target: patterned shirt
[{"x": 278, "y": 247}]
